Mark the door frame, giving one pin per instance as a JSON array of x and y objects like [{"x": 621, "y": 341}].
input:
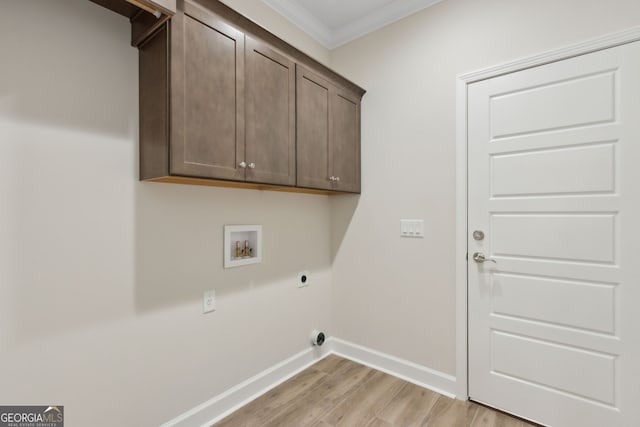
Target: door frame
[{"x": 463, "y": 81}]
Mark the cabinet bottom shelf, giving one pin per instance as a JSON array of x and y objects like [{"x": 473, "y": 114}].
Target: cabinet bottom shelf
[{"x": 248, "y": 185}]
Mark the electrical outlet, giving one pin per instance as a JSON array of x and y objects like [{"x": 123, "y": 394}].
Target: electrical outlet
[
  {"x": 303, "y": 279},
  {"x": 209, "y": 302}
]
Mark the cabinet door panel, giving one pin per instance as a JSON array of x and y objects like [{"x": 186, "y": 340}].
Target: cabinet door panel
[
  {"x": 345, "y": 141},
  {"x": 270, "y": 118},
  {"x": 312, "y": 128},
  {"x": 212, "y": 140}
]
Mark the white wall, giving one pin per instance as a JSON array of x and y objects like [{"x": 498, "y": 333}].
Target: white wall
[
  {"x": 101, "y": 276},
  {"x": 397, "y": 295}
]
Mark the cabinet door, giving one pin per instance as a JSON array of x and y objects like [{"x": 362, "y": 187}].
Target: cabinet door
[
  {"x": 344, "y": 141},
  {"x": 312, "y": 129},
  {"x": 270, "y": 115},
  {"x": 328, "y": 134},
  {"x": 207, "y": 96}
]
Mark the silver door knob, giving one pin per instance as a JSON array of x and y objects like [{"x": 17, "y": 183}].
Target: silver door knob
[
  {"x": 337, "y": 179},
  {"x": 242, "y": 164},
  {"x": 332, "y": 178},
  {"x": 252, "y": 165},
  {"x": 480, "y": 258}
]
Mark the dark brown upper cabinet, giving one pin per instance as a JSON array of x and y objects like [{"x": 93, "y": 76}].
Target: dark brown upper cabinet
[
  {"x": 192, "y": 99},
  {"x": 328, "y": 134},
  {"x": 270, "y": 146},
  {"x": 207, "y": 97},
  {"x": 220, "y": 104}
]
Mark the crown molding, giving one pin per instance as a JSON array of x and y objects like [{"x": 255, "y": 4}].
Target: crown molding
[
  {"x": 303, "y": 19},
  {"x": 332, "y": 38},
  {"x": 377, "y": 19}
]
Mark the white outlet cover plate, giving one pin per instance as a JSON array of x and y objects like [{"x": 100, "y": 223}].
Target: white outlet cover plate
[
  {"x": 209, "y": 302},
  {"x": 412, "y": 228}
]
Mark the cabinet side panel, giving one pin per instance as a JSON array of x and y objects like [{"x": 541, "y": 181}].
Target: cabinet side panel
[
  {"x": 345, "y": 141},
  {"x": 312, "y": 96},
  {"x": 154, "y": 106}
]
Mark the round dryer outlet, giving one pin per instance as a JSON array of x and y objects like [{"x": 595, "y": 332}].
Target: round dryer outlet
[{"x": 303, "y": 279}]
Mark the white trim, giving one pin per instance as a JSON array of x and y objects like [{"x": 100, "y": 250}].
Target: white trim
[
  {"x": 220, "y": 406},
  {"x": 303, "y": 19},
  {"x": 215, "y": 409},
  {"x": 332, "y": 38},
  {"x": 377, "y": 19},
  {"x": 592, "y": 45},
  {"x": 463, "y": 80},
  {"x": 424, "y": 377},
  {"x": 462, "y": 391}
]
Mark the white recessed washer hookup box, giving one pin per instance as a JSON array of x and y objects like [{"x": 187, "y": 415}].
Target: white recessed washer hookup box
[{"x": 242, "y": 245}]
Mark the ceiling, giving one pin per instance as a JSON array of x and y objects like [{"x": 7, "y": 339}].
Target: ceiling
[{"x": 336, "y": 22}]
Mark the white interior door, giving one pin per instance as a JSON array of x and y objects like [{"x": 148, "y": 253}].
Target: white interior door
[{"x": 554, "y": 185}]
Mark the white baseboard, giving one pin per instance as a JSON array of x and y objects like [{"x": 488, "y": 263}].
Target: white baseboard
[
  {"x": 236, "y": 397},
  {"x": 412, "y": 372},
  {"x": 215, "y": 409}
]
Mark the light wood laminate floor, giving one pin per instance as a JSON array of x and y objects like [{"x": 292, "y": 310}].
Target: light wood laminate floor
[{"x": 338, "y": 392}]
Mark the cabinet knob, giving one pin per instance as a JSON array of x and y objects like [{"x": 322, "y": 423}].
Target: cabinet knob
[
  {"x": 242, "y": 165},
  {"x": 337, "y": 179},
  {"x": 252, "y": 165}
]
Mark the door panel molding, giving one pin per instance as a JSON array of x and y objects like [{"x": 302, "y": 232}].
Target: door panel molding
[{"x": 463, "y": 81}]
